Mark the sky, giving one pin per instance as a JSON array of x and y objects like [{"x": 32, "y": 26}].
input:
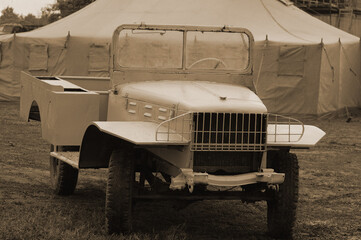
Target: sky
[{"x": 24, "y": 7}]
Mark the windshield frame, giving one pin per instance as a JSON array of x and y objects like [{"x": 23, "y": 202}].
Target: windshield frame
[{"x": 184, "y": 29}]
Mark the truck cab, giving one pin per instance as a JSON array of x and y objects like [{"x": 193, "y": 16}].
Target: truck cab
[{"x": 180, "y": 120}]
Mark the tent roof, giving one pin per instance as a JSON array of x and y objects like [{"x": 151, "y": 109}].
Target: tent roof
[{"x": 280, "y": 22}]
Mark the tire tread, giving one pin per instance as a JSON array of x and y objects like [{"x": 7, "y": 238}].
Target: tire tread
[
  {"x": 63, "y": 177},
  {"x": 119, "y": 193},
  {"x": 281, "y": 212}
]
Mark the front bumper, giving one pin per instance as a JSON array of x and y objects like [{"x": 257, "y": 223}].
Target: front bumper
[{"x": 189, "y": 178}]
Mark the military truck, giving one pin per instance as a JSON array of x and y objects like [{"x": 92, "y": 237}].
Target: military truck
[{"x": 178, "y": 119}]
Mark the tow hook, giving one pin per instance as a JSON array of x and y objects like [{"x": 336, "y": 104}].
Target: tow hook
[
  {"x": 188, "y": 178},
  {"x": 274, "y": 187}
]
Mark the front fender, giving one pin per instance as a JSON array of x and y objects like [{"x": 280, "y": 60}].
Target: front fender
[
  {"x": 139, "y": 133},
  {"x": 293, "y": 136},
  {"x": 101, "y": 138}
]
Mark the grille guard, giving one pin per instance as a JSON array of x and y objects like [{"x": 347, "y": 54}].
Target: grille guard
[
  {"x": 293, "y": 133},
  {"x": 279, "y": 129}
]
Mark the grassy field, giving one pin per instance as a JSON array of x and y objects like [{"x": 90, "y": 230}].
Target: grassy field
[{"x": 329, "y": 205}]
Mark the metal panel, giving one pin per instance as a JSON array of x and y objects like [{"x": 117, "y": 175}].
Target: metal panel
[
  {"x": 229, "y": 132},
  {"x": 140, "y": 133},
  {"x": 62, "y": 121},
  {"x": 218, "y": 131},
  {"x": 288, "y": 136},
  {"x": 71, "y": 158}
]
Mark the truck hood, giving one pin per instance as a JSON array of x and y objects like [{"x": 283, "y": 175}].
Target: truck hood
[{"x": 196, "y": 96}]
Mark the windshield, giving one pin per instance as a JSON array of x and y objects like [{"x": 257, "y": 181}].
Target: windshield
[
  {"x": 165, "y": 49},
  {"x": 217, "y": 50},
  {"x": 150, "y": 49}
]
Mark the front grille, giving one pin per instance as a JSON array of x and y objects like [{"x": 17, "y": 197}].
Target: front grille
[
  {"x": 229, "y": 132},
  {"x": 226, "y": 162}
]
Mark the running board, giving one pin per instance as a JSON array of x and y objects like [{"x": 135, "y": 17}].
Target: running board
[{"x": 71, "y": 158}]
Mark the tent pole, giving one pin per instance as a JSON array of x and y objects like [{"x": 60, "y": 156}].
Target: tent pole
[
  {"x": 261, "y": 64},
  {"x": 67, "y": 40},
  {"x": 328, "y": 60},
  {"x": 339, "y": 96}
]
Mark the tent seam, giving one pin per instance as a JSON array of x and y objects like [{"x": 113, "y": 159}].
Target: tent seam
[
  {"x": 329, "y": 63},
  {"x": 261, "y": 65},
  {"x": 347, "y": 59},
  {"x": 279, "y": 24}
]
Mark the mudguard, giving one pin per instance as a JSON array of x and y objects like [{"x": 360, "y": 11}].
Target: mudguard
[
  {"x": 139, "y": 133},
  {"x": 101, "y": 138},
  {"x": 294, "y": 136}
]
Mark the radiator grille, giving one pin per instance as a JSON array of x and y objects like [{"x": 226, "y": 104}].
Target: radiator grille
[
  {"x": 246, "y": 132},
  {"x": 226, "y": 162},
  {"x": 229, "y": 132}
]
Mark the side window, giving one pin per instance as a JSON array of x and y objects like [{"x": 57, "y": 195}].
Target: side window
[
  {"x": 291, "y": 61},
  {"x": 99, "y": 57},
  {"x": 38, "y": 58}
]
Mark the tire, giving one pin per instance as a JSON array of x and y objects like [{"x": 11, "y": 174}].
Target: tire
[
  {"x": 118, "y": 203},
  {"x": 63, "y": 176},
  {"x": 281, "y": 212}
]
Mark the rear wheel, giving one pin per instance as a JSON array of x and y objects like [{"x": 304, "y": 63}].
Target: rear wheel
[
  {"x": 281, "y": 212},
  {"x": 118, "y": 204},
  {"x": 63, "y": 176}
]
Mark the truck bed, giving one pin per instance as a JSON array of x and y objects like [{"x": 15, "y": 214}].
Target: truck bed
[{"x": 64, "y": 105}]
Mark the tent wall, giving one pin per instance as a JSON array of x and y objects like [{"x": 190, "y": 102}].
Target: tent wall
[
  {"x": 329, "y": 79},
  {"x": 350, "y": 75},
  {"x": 289, "y": 78},
  {"x": 340, "y": 79},
  {"x": 40, "y": 56},
  {"x": 288, "y": 81},
  {"x": 293, "y": 71},
  {"x": 9, "y": 89},
  {"x": 88, "y": 57},
  {"x": 50, "y": 57}
]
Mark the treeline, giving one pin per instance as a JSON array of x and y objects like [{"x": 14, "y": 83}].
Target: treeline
[{"x": 49, "y": 14}]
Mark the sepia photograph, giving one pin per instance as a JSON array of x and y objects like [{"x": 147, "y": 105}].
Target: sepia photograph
[{"x": 180, "y": 119}]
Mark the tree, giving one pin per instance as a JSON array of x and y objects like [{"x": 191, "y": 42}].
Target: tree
[
  {"x": 49, "y": 15},
  {"x": 62, "y": 8},
  {"x": 27, "y": 23},
  {"x": 67, "y": 7},
  {"x": 31, "y": 19},
  {"x": 8, "y": 15},
  {"x": 30, "y": 22}
]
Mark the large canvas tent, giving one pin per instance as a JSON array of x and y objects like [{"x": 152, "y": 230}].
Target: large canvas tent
[{"x": 302, "y": 65}]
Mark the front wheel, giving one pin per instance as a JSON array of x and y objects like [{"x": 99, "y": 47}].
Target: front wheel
[
  {"x": 63, "y": 177},
  {"x": 281, "y": 212},
  {"x": 118, "y": 203}
]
